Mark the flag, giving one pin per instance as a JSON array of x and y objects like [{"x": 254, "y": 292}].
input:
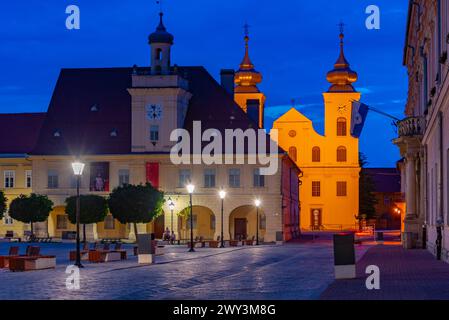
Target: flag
[{"x": 359, "y": 113}]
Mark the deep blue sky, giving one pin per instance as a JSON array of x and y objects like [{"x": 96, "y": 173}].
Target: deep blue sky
[{"x": 293, "y": 43}]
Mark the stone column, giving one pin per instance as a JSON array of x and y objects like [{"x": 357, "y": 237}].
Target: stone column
[
  {"x": 141, "y": 228},
  {"x": 412, "y": 226},
  {"x": 91, "y": 232}
]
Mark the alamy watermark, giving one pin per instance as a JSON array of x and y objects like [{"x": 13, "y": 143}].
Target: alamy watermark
[{"x": 240, "y": 147}]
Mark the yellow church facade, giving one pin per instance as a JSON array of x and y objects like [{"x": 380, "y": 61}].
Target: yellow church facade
[{"x": 330, "y": 163}]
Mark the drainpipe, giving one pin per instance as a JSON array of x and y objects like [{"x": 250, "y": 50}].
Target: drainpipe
[{"x": 441, "y": 193}]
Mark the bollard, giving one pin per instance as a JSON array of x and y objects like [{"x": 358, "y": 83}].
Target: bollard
[
  {"x": 344, "y": 256},
  {"x": 146, "y": 247}
]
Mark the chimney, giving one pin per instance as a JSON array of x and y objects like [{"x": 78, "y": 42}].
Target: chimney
[
  {"x": 227, "y": 80},
  {"x": 253, "y": 110}
]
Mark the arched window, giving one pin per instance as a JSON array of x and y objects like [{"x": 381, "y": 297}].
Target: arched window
[
  {"x": 341, "y": 154},
  {"x": 341, "y": 127},
  {"x": 159, "y": 54},
  {"x": 316, "y": 154},
  {"x": 293, "y": 153}
]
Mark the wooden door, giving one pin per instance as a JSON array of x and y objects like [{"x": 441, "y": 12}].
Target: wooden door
[
  {"x": 316, "y": 219},
  {"x": 239, "y": 228}
]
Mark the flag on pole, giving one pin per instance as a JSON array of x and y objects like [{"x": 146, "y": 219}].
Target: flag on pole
[{"x": 359, "y": 113}]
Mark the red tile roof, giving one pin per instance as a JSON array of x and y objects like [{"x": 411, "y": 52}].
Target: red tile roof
[{"x": 19, "y": 132}]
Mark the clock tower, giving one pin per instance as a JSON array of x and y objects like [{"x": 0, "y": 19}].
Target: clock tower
[{"x": 160, "y": 97}]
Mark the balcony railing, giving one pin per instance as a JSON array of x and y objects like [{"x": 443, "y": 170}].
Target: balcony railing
[{"x": 412, "y": 126}]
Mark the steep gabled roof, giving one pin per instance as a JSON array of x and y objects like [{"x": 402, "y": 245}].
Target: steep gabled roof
[{"x": 19, "y": 132}]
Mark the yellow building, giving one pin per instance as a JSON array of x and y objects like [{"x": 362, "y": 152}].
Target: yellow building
[{"x": 330, "y": 186}]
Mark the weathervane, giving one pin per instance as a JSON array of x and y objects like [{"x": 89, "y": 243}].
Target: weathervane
[{"x": 159, "y": 2}]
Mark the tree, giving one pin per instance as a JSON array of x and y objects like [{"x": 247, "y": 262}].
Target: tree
[
  {"x": 367, "y": 199},
  {"x": 136, "y": 204},
  {"x": 3, "y": 200},
  {"x": 30, "y": 209},
  {"x": 93, "y": 209}
]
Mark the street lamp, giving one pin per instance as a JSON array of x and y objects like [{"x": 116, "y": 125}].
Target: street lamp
[
  {"x": 78, "y": 168},
  {"x": 222, "y": 195},
  {"x": 171, "y": 206},
  {"x": 257, "y": 203},
  {"x": 190, "y": 188}
]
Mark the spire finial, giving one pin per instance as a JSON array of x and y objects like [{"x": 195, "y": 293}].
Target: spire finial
[{"x": 246, "y": 31}]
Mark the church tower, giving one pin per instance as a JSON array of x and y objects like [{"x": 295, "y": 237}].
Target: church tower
[
  {"x": 330, "y": 163},
  {"x": 160, "y": 42},
  {"x": 246, "y": 93}
]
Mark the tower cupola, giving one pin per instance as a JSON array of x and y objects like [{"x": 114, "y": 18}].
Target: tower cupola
[
  {"x": 341, "y": 77},
  {"x": 160, "y": 41}
]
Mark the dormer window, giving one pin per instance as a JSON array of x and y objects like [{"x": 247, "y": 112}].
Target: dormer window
[
  {"x": 114, "y": 133},
  {"x": 94, "y": 108}
]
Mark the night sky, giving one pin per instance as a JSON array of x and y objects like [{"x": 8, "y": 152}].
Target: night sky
[{"x": 293, "y": 44}]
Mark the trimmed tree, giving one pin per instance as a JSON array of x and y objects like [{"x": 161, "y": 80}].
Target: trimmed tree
[
  {"x": 3, "y": 200},
  {"x": 367, "y": 199},
  {"x": 93, "y": 209},
  {"x": 30, "y": 209},
  {"x": 136, "y": 204}
]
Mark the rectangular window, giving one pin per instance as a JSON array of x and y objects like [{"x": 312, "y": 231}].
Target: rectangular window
[
  {"x": 209, "y": 178},
  {"x": 7, "y": 220},
  {"x": 234, "y": 178},
  {"x": 263, "y": 223},
  {"x": 316, "y": 189},
  {"x": 28, "y": 179},
  {"x": 109, "y": 223},
  {"x": 61, "y": 222},
  {"x": 53, "y": 178},
  {"x": 184, "y": 177},
  {"x": 154, "y": 133},
  {"x": 258, "y": 179},
  {"x": 341, "y": 189},
  {"x": 9, "y": 176},
  {"x": 123, "y": 177}
]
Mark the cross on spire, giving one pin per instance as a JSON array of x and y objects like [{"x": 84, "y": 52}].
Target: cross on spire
[
  {"x": 246, "y": 29},
  {"x": 341, "y": 25}
]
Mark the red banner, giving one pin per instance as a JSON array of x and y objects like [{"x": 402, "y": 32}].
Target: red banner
[{"x": 152, "y": 173}]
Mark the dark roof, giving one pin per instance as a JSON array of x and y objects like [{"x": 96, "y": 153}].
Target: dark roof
[
  {"x": 19, "y": 132},
  {"x": 385, "y": 179},
  {"x": 161, "y": 35},
  {"x": 83, "y": 131}
]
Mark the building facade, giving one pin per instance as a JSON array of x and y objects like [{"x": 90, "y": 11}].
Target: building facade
[
  {"x": 120, "y": 121},
  {"x": 424, "y": 134},
  {"x": 330, "y": 162}
]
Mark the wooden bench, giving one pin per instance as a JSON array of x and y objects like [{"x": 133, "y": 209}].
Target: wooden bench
[
  {"x": 22, "y": 263},
  {"x": 4, "y": 260}
]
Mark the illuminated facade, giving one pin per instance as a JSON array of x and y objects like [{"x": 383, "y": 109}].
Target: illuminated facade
[
  {"x": 330, "y": 165},
  {"x": 118, "y": 121}
]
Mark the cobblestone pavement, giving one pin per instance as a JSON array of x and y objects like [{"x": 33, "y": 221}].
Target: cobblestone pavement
[
  {"x": 293, "y": 271},
  {"x": 404, "y": 274}
]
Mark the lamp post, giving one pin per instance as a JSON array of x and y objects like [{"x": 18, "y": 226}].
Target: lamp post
[
  {"x": 222, "y": 195},
  {"x": 190, "y": 188},
  {"x": 257, "y": 203},
  {"x": 171, "y": 206},
  {"x": 78, "y": 168}
]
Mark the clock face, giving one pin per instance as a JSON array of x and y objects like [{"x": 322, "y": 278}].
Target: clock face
[
  {"x": 154, "y": 112},
  {"x": 342, "y": 109}
]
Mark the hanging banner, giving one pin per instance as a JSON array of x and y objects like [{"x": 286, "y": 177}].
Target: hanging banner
[
  {"x": 152, "y": 173},
  {"x": 359, "y": 114}
]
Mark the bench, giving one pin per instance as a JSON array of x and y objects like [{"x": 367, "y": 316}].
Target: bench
[
  {"x": 4, "y": 260},
  {"x": 21, "y": 263},
  {"x": 101, "y": 256}
]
